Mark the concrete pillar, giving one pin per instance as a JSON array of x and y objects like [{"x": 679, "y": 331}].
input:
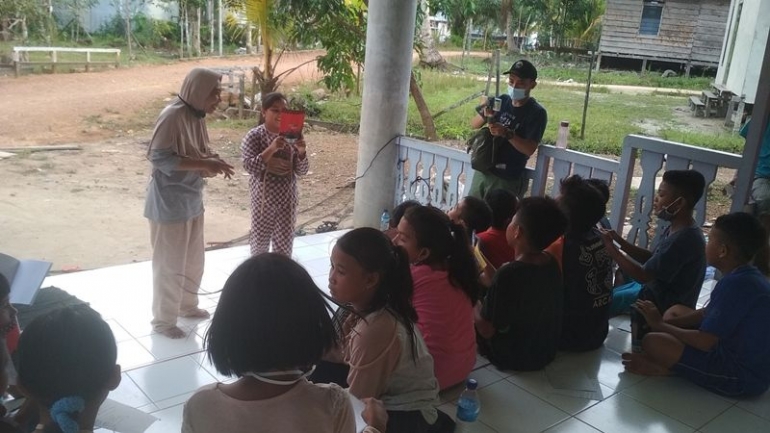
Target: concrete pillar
[
  {"x": 388, "y": 60},
  {"x": 760, "y": 117}
]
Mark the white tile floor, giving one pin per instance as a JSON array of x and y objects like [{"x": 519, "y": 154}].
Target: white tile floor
[{"x": 577, "y": 393}]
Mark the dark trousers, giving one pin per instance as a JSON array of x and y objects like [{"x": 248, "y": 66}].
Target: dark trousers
[{"x": 398, "y": 421}]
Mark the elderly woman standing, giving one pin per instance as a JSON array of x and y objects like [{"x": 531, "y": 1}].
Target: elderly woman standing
[{"x": 181, "y": 158}]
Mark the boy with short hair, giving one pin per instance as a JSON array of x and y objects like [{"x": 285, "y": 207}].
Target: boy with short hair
[
  {"x": 492, "y": 242},
  {"x": 519, "y": 320},
  {"x": 472, "y": 213},
  {"x": 672, "y": 274},
  {"x": 729, "y": 352},
  {"x": 604, "y": 189}
]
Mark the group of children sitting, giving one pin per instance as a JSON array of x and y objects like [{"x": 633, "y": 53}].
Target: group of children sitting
[{"x": 410, "y": 308}]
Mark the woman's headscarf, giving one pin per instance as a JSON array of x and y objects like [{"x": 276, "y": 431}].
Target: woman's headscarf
[{"x": 181, "y": 126}]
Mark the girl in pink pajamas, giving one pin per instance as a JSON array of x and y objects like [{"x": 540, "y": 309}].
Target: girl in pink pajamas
[{"x": 274, "y": 166}]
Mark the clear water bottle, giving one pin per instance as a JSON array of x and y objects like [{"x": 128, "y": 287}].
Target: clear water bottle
[
  {"x": 384, "y": 220},
  {"x": 468, "y": 407},
  {"x": 561, "y": 140},
  {"x": 710, "y": 273}
]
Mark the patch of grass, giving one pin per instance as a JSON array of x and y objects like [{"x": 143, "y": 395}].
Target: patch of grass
[
  {"x": 610, "y": 118},
  {"x": 726, "y": 142},
  {"x": 560, "y": 71}
]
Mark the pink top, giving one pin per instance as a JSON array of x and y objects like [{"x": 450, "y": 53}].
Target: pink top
[{"x": 445, "y": 319}]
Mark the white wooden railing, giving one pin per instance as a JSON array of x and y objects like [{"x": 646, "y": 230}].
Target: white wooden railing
[
  {"x": 439, "y": 175},
  {"x": 655, "y": 156},
  {"x": 21, "y": 57}
]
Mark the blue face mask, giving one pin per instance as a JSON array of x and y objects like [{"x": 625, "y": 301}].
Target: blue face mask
[
  {"x": 516, "y": 94},
  {"x": 666, "y": 214}
]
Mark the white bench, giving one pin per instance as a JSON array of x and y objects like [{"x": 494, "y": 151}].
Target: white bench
[{"x": 21, "y": 57}]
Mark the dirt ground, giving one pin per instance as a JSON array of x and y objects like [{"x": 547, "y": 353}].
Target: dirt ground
[{"x": 83, "y": 209}]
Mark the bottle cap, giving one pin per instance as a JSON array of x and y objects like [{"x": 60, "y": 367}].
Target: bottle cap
[{"x": 471, "y": 384}]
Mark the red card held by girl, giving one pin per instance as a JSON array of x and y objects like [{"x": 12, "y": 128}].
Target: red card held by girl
[{"x": 292, "y": 122}]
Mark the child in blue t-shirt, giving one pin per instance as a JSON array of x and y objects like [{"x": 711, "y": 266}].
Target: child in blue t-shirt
[
  {"x": 672, "y": 274},
  {"x": 725, "y": 346}
]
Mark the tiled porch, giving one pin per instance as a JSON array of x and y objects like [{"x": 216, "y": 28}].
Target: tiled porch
[{"x": 587, "y": 392}]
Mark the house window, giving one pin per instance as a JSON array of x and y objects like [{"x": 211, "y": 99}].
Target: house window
[{"x": 651, "y": 12}]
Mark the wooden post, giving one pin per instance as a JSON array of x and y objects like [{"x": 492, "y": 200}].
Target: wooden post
[
  {"x": 53, "y": 61},
  {"x": 598, "y": 62},
  {"x": 241, "y": 92},
  {"x": 644, "y": 66},
  {"x": 16, "y": 63},
  {"x": 687, "y": 69},
  {"x": 117, "y": 59},
  {"x": 88, "y": 61}
]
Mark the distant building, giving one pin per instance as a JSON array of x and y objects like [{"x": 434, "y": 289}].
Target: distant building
[
  {"x": 687, "y": 32},
  {"x": 439, "y": 25},
  {"x": 104, "y": 11}
]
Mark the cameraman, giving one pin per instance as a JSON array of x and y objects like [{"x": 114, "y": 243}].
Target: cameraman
[{"x": 521, "y": 121}]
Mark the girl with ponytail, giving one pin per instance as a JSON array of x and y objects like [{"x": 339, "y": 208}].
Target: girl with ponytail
[
  {"x": 446, "y": 287},
  {"x": 384, "y": 351}
]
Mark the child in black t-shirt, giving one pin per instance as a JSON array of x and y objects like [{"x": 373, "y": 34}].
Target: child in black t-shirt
[
  {"x": 519, "y": 320},
  {"x": 586, "y": 266}
]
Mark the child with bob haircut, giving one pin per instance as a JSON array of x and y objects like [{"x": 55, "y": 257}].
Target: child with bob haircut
[
  {"x": 446, "y": 287},
  {"x": 273, "y": 165},
  {"x": 271, "y": 327},
  {"x": 725, "y": 346},
  {"x": 67, "y": 365},
  {"x": 519, "y": 320},
  {"x": 386, "y": 354}
]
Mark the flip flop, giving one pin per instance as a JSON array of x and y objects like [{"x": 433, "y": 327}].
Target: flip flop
[{"x": 326, "y": 226}]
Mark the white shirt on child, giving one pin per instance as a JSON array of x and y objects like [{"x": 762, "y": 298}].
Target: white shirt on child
[{"x": 306, "y": 407}]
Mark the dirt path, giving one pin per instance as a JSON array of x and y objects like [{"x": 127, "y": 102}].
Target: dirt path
[
  {"x": 46, "y": 109},
  {"x": 83, "y": 209}
]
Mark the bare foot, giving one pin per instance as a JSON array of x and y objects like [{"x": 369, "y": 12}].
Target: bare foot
[
  {"x": 197, "y": 313},
  {"x": 173, "y": 332},
  {"x": 638, "y": 363}
]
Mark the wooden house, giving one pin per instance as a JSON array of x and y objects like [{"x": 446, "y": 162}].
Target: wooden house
[{"x": 685, "y": 32}]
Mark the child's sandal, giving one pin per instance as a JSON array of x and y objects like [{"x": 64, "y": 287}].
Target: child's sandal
[{"x": 326, "y": 226}]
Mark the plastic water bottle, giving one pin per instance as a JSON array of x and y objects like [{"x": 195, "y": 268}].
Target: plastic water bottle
[
  {"x": 710, "y": 273},
  {"x": 561, "y": 140},
  {"x": 384, "y": 220},
  {"x": 468, "y": 407}
]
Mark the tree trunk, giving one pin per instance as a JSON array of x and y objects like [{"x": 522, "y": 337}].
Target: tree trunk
[
  {"x": 210, "y": 15},
  {"x": 429, "y": 55},
  {"x": 196, "y": 30},
  {"x": 510, "y": 40},
  {"x": 187, "y": 31},
  {"x": 128, "y": 29},
  {"x": 249, "y": 37},
  {"x": 422, "y": 107}
]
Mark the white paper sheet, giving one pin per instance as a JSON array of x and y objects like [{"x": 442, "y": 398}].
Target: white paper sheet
[
  {"x": 121, "y": 418},
  {"x": 358, "y": 408},
  {"x": 27, "y": 281}
]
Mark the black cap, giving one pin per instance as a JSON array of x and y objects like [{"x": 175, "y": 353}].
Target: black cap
[{"x": 523, "y": 69}]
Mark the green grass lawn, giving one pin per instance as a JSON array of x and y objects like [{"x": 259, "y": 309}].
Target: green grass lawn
[
  {"x": 550, "y": 69},
  {"x": 610, "y": 118}
]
